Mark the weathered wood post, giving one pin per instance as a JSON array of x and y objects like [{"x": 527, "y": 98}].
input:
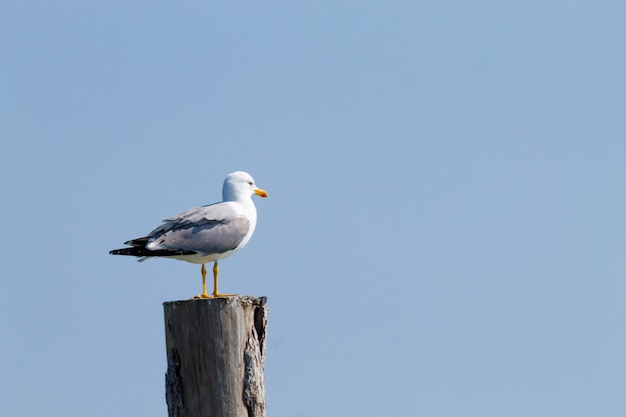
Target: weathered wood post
[{"x": 215, "y": 357}]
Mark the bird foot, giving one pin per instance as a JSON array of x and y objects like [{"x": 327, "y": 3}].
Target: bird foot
[
  {"x": 201, "y": 296},
  {"x": 218, "y": 295},
  {"x": 214, "y": 295}
]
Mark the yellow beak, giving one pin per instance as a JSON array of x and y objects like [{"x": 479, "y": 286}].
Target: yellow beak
[{"x": 260, "y": 193}]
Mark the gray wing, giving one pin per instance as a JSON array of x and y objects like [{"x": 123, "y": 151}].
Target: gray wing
[{"x": 209, "y": 229}]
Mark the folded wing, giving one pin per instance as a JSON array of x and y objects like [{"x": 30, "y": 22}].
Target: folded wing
[{"x": 204, "y": 230}]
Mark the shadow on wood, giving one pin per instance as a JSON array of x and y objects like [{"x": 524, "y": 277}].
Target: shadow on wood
[{"x": 215, "y": 357}]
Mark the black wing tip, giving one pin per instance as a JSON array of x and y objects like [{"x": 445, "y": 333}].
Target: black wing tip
[
  {"x": 125, "y": 251},
  {"x": 141, "y": 252}
]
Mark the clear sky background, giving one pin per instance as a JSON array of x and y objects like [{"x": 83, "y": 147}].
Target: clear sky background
[{"x": 445, "y": 230}]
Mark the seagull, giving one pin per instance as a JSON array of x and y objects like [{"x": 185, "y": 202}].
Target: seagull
[{"x": 204, "y": 234}]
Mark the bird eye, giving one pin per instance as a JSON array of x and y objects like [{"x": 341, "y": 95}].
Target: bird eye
[{"x": 250, "y": 182}]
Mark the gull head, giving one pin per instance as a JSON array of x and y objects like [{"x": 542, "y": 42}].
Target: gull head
[{"x": 238, "y": 185}]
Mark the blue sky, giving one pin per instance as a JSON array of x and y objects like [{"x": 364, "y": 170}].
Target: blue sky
[{"x": 445, "y": 229}]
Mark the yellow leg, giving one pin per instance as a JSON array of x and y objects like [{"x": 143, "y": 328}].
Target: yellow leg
[
  {"x": 204, "y": 294},
  {"x": 215, "y": 272},
  {"x": 215, "y": 291}
]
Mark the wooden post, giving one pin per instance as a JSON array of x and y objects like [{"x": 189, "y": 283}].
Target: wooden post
[{"x": 215, "y": 357}]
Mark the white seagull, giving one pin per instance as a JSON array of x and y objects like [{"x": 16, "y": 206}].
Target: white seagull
[{"x": 204, "y": 234}]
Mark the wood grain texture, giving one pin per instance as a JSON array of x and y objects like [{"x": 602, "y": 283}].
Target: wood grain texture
[{"x": 215, "y": 356}]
